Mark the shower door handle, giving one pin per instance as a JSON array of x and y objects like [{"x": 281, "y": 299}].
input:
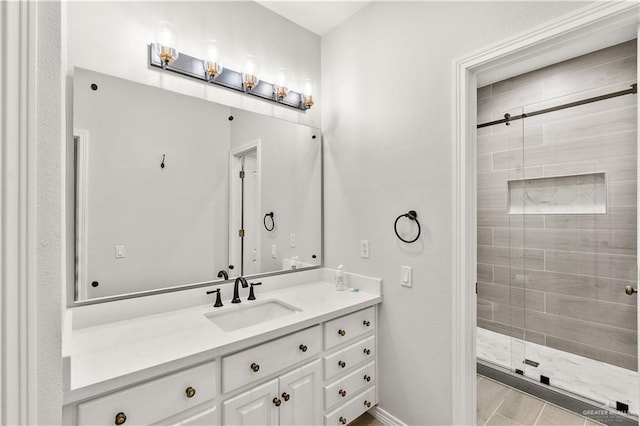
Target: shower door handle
[{"x": 630, "y": 290}]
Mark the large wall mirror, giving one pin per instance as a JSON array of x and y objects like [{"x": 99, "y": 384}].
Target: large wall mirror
[{"x": 172, "y": 190}]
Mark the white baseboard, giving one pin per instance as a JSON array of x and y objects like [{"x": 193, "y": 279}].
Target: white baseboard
[{"x": 385, "y": 417}]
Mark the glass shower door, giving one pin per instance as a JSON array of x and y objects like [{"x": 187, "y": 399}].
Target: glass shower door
[{"x": 579, "y": 202}]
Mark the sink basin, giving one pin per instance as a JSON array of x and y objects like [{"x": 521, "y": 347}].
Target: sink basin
[{"x": 251, "y": 314}]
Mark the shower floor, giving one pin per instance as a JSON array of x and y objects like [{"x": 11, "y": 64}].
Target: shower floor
[{"x": 595, "y": 380}]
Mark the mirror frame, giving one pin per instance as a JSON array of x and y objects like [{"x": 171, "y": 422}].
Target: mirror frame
[{"x": 71, "y": 218}]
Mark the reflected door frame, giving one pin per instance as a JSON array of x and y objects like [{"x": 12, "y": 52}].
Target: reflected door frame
[
  {"x": 593, "y": 27},
  {"x": 235, "y": 210}
]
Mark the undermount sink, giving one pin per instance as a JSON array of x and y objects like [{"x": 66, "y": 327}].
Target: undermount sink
[{"x": 251, "y": 314}]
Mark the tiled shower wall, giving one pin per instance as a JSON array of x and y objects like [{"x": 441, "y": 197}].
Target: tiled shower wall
[{"x": 558, "y": 279}]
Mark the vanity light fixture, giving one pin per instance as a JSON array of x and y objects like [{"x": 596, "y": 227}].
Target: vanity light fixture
[
  {"x": 166, "y": 45},
  {"x": 250, "y": 70},
  {"x": 163, "y": 53},
  {"x": 307, "y": 94},
  {"x": 211, "y": 63},
  {"x": 281, "y": 89}
]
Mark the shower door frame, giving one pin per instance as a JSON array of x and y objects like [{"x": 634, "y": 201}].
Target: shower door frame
[{"x": 591, "y": 28}]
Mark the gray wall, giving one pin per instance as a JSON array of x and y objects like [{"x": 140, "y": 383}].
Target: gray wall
[{"x": 559, "y": 279}]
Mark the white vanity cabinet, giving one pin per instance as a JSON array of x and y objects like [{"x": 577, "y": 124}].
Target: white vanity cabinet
[
  {"x": 349, "y": 366},
  {"x": 155, "y": 400},
  {"x": 291, "y": 399},
  {"x": 323, "y": 374}
]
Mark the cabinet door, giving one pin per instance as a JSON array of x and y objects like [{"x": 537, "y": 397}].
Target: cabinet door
[
  {"x": 208, "y": 417},
  {"x": 254, "y": 407},
  {"x": 301, "y": 395}
]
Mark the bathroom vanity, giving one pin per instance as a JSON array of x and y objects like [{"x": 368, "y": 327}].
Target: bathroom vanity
[{"x": 300, "y": 354}]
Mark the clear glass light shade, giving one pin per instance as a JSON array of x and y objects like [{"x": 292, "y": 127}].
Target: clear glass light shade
[
  {"x": 250, "y": 70},
  {"x": 307, "y": 93},
  {"x": 280, "y": 88},
  {"x": 166, "y": 42},
  {"x": 212, "y": 64}
]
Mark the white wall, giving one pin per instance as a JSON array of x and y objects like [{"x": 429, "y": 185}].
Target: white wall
[
  {"x": 387, "y": 121},
  {"x": 112, "y": 37}
]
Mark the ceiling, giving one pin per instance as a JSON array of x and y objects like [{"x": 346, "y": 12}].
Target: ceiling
[{"x": 316, "y": 16}]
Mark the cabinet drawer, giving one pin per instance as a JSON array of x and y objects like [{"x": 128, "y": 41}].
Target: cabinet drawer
[
  {"x": 347, "y": 327},
  {"x": 152, "y": 401},
  {"x": 352, "y": 409},
  {"x": 343, "y": 359},
  {"x": 206, "y": 417},
  {"x": 263, "y": 360},
  {"x": 346, "y": 387}
]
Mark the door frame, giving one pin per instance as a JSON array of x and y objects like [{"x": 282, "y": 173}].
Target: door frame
[
  {"x": 234, "y": 168},
  {"x": 588, "y": 29}
]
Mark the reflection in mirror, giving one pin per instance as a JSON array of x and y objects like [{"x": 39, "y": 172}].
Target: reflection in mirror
[
  {"x": 159, "y": 201},
  {"x": 275, "y": 210}
]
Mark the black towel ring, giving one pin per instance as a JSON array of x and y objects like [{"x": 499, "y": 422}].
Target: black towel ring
[
  {"x": 273, "y": 222},
  {"x": 412, "y": 215}
]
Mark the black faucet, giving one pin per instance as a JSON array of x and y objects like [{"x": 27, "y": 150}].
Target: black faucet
[
  {"x": 236, "y": 296},
  {"x": 222, "y": 273}
]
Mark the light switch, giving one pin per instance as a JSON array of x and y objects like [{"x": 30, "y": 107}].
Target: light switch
[
  {"x": 406, "y": 276},
  {"x": 292, "y": 240},
  {"x": 274, "y": 251},
  {"x": 364, "y": 249},
  {"x": 120, "y": 252}
]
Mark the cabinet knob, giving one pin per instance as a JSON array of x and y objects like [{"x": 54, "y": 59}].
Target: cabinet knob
[
  {"x": 366, "y": 323},
  {"x": 277, "y": 402},
  {"x": 285, "y": 396},
  {"x": 366, "y": 351},
  {"x": 342, "y": 393},
  {"x": 255, "y": 367},
  {"x": 367, "y": 404},
  {"x": 367, "y": 378},
  {"x": 342, "y": 332},
  {"x": 303, "y": 348},
  {"x": 342, "y": 364},
  {"x": 120, "y": 418},
  {"x": 191, "y": 392},
  {"x": 342, "y": 420}
]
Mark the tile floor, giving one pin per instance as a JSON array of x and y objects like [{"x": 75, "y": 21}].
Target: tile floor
[
  {"x": 499, "y": 404},
  {"x": 366, "y": 420}
]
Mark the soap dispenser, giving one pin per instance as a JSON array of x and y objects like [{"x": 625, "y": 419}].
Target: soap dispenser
[{"x": 340, "y": 278}]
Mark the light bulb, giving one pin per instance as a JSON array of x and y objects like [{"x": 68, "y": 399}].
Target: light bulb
[
  {"x": 211, "y": 63},
  {"x": 250, "y": 70},
  {"x": 166, "y": 43},
  {"x": 280, "y": 88},
  {"x": 307, "y": 93}
]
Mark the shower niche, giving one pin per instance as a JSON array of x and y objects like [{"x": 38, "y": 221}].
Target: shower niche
[{"x": 574, "y": 194}]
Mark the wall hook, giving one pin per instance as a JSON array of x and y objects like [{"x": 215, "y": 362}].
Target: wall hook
[
  {"x": 162, "y": 164},
  {"x": 411, "y": 215}
]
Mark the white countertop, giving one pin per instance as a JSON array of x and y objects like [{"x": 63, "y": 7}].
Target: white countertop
[{"x": 107, "y": 356}]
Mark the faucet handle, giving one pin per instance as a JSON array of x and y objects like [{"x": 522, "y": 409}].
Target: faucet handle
[
  {"x": 252, "y": 295},
  {"x": 218, "y": 300}
]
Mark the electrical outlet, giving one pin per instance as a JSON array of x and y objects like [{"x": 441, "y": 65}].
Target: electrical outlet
[
  {"x": 292, "y": 240},
  {"x": 364, "y": 249},
  {"x": 406, "y": 276},
  {"x": 120, "y": 252},
  {"x": 274, "y": 252}
]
